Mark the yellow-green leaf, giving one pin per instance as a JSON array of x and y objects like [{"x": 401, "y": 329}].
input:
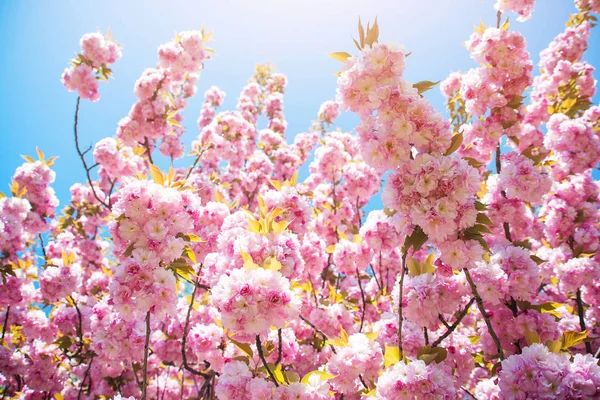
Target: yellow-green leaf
[
  {"x": 189, "y": 253},
  {"x": 340, "y": 55},
  {"x": 532, "y": 337},
  {"x": 572, "y": 338},
  {"x": 157, "y": 175},
  {"x": 391, "y": 356},
  {"x": 323, "y": 376},
  {"x": 245, "y": 347}
]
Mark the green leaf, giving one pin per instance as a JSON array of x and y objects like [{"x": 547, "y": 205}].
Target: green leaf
[
  {"x": 430, "y": 354},
  {"x": 484, "y": 219},
  {"x": 537, "y": 260},
  {"x": 516, "y": 102},
  {"x": 479, "y": 206},
  {"x": 416, "y": 240}
]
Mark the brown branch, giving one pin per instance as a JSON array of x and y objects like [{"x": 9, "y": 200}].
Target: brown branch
[
  {"x": 320, "y": 332},
  {"x": 484, "y": 314},
  {"x": 146, "y": 144},
  {"x": 280, "y": 349},
  {"x": 87, "y": 372},
  {"x": 82, "y": 156},
  {"x": 400, "y": 305},
  {"x": 451, "y": 328},
  {"x": 145, "y": 368},
  {"x": 581, "y": 313},
  {"x": 5, "y": 325},
  {"x": 362, "y": 295},
  {"x": 184, "y": 337},
  {"x": 262, "y": 358}
]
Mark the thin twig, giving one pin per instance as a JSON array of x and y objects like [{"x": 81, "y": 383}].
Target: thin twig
[
  {"x": 79, "y": 327},
  {"x": 400, "y": 305},
  {"x": 42, "y": 246},
  {"x": 82, "y": 156},
  {"x": 146, "y": 345},
  {"x": 262, "y": 358},
  {"x": 184, "y": 337},
  {"x": 148, "y": 152},
  {"x": 362, "y": 295},
  {"x": 87, "y": 372},
  {"x": 320, "y": 332},
  {"x": 192, "y": 167},
  {"x": 451, "y": 328},
  {"x": 581, "y": 313},
  {"x": 471, "y": 395},
  {"x": 5, "y": 325},
  {"x": 280, "y": 349},
  {"x": 484, "y": 314}
]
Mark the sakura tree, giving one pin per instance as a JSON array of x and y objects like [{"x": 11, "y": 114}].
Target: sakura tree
[{"x": 231, "y": 279}]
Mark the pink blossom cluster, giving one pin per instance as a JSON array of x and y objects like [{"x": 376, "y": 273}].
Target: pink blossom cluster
[
  {"x": 522, "y": 7},
  {"x": 147, "y": 238},
  {"x": 14, "y": 232},
  {"x": 509, "y": 67},
  {"x": 360, "y": 357},
  {"x": 560, "y": 65},
  {"x": 436, "y": 193},
  {"x": 575, "y": 142},
  {"x": 539, "y": 373},
  {"x": 97, "y": 53},
  {"x": 570, "y": 211},
  {"x": 213, "y": 98},
  {"x": 329, "y": 111},
  {"x": 497, "y": 86},
  {"x": 35, "y": 178},
  {"x": 522, "y": 180},
  {"x": 115, "y": 160},
  {"x": 162, "y": 94},
  {"x": 253, "y": 300},
  {"x": 427, "y": 296},
  {"x": 591, "y": 5},
  {"x": 416, "y": 380},
  {"x": 372, "y": 82},
  {"x": 228, "y": 137}
]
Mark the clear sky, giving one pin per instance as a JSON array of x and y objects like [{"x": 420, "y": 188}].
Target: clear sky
[{"x": 40, "y": 37}]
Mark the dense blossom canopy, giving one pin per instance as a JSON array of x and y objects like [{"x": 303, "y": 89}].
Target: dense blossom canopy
[{"x": 231, "y": 279}]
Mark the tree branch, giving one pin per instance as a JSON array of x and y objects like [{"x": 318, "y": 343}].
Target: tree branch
[
  {"x": 262, "y": 358},
  {"x": 451, "y": 328},
  {"x": 400, "y": 305},
  {"x": 82, "y": 156},
  {"x": 484, "y": 314},
  {"x": 581, "y": 313},
  {"x": 362, "y": 295},
  {"x": 146, "y": 345}
]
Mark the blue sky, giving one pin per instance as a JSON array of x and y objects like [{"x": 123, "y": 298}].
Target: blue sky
[{"x": 41, "y": 37}]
